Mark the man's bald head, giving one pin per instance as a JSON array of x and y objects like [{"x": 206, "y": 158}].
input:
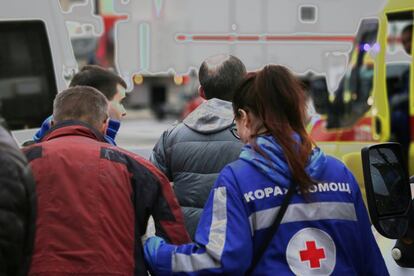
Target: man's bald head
[{"x": 219, "y": 76}]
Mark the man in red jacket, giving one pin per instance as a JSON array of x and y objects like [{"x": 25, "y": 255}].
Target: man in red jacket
[{"x": 94, "y": 199}]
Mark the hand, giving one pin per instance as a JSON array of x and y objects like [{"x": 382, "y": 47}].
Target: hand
[{"x": 152, "y": 244}]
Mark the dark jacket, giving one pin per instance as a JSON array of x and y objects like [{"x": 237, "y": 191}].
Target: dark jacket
[
  {"x": 17, "y": 209},
  {"x": 94, "y": 201},
  {"x": 193, "y": 153}
]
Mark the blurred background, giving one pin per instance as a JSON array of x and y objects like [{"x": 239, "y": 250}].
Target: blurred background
[
  {"x": 158, "y": 45},
  {"x": 159, "y": 96}
]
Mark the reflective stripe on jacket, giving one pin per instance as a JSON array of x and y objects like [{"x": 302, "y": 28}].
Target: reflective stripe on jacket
[{"x": 329, "y": 234}]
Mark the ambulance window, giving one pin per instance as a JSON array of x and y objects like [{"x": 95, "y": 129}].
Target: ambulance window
[
  {"x": 351, "y": 99},
  {"x": 27, "y": 80},
  {"x": 358, "y": 86},
  {"x": 398, "y": 64}
]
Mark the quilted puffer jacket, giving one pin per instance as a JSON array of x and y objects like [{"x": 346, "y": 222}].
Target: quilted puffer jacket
[
  {"x": 193, "y": 153},
  {"x": 17, "y": 209}
]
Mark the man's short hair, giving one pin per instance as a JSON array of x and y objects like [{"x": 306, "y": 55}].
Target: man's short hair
[
  {"x": 83, "y": 103},
  {"x": 97, "y": 77},
  {"x": 220, "y": 75}
]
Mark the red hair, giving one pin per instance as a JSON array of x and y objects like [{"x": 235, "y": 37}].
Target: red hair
[{"x": 276, "y": 97}]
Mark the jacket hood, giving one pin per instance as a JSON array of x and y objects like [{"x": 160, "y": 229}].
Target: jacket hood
[
  {"x": 275, "y": 166},
  {"x": 211, "y": 116}
]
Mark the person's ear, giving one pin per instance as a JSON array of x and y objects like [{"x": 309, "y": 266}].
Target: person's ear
[
  {"x": 201, "y": 92},
  {"x": 244, "y": 118},
  {"x": 104, "y": 126}
]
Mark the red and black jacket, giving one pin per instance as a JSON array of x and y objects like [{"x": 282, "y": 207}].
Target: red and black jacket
[{"x": 94, "y": 201}]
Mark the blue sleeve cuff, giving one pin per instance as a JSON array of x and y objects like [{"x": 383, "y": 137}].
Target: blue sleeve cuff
[
  {"x": 158, "y": 255},
  {"x": 164, "y": 259}
]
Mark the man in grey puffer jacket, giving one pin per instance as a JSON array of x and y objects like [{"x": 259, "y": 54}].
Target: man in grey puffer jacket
[{"x": 192, "y": 153}]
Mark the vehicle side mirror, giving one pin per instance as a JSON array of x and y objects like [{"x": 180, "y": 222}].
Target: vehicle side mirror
[{"x": 387, "y": 188}]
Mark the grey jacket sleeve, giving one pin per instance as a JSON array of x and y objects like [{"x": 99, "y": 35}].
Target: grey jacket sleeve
[{"x": 159, "y": 156}]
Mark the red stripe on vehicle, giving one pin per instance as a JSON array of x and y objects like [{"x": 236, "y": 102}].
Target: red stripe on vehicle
[
  {"x": 248, "y": 38},
  {"x": 309, "y": 38},
  {"x": 212, "y": 37},
  {"x": 181, "y": 37}
]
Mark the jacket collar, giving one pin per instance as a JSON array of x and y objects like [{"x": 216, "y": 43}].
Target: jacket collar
[{"x": 73, "y": 128}]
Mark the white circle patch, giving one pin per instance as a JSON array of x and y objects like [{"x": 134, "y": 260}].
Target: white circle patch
[{"x": 311, "y": 252}]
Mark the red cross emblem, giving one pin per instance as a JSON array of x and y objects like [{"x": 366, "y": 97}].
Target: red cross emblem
[{"x": 312, "y": 254}]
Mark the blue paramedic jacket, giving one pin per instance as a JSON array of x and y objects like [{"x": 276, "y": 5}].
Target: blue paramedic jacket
[{"x": 329, "y": 233}]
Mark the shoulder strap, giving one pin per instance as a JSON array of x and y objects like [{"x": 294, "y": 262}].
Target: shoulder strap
[{"x": 273, "y": 229}]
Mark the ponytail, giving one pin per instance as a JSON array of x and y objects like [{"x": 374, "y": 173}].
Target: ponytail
[{"x": 276, "y": 97}]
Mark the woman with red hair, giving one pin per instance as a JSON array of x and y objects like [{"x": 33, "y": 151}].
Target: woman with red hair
[{"x": 245, "y": 227}]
